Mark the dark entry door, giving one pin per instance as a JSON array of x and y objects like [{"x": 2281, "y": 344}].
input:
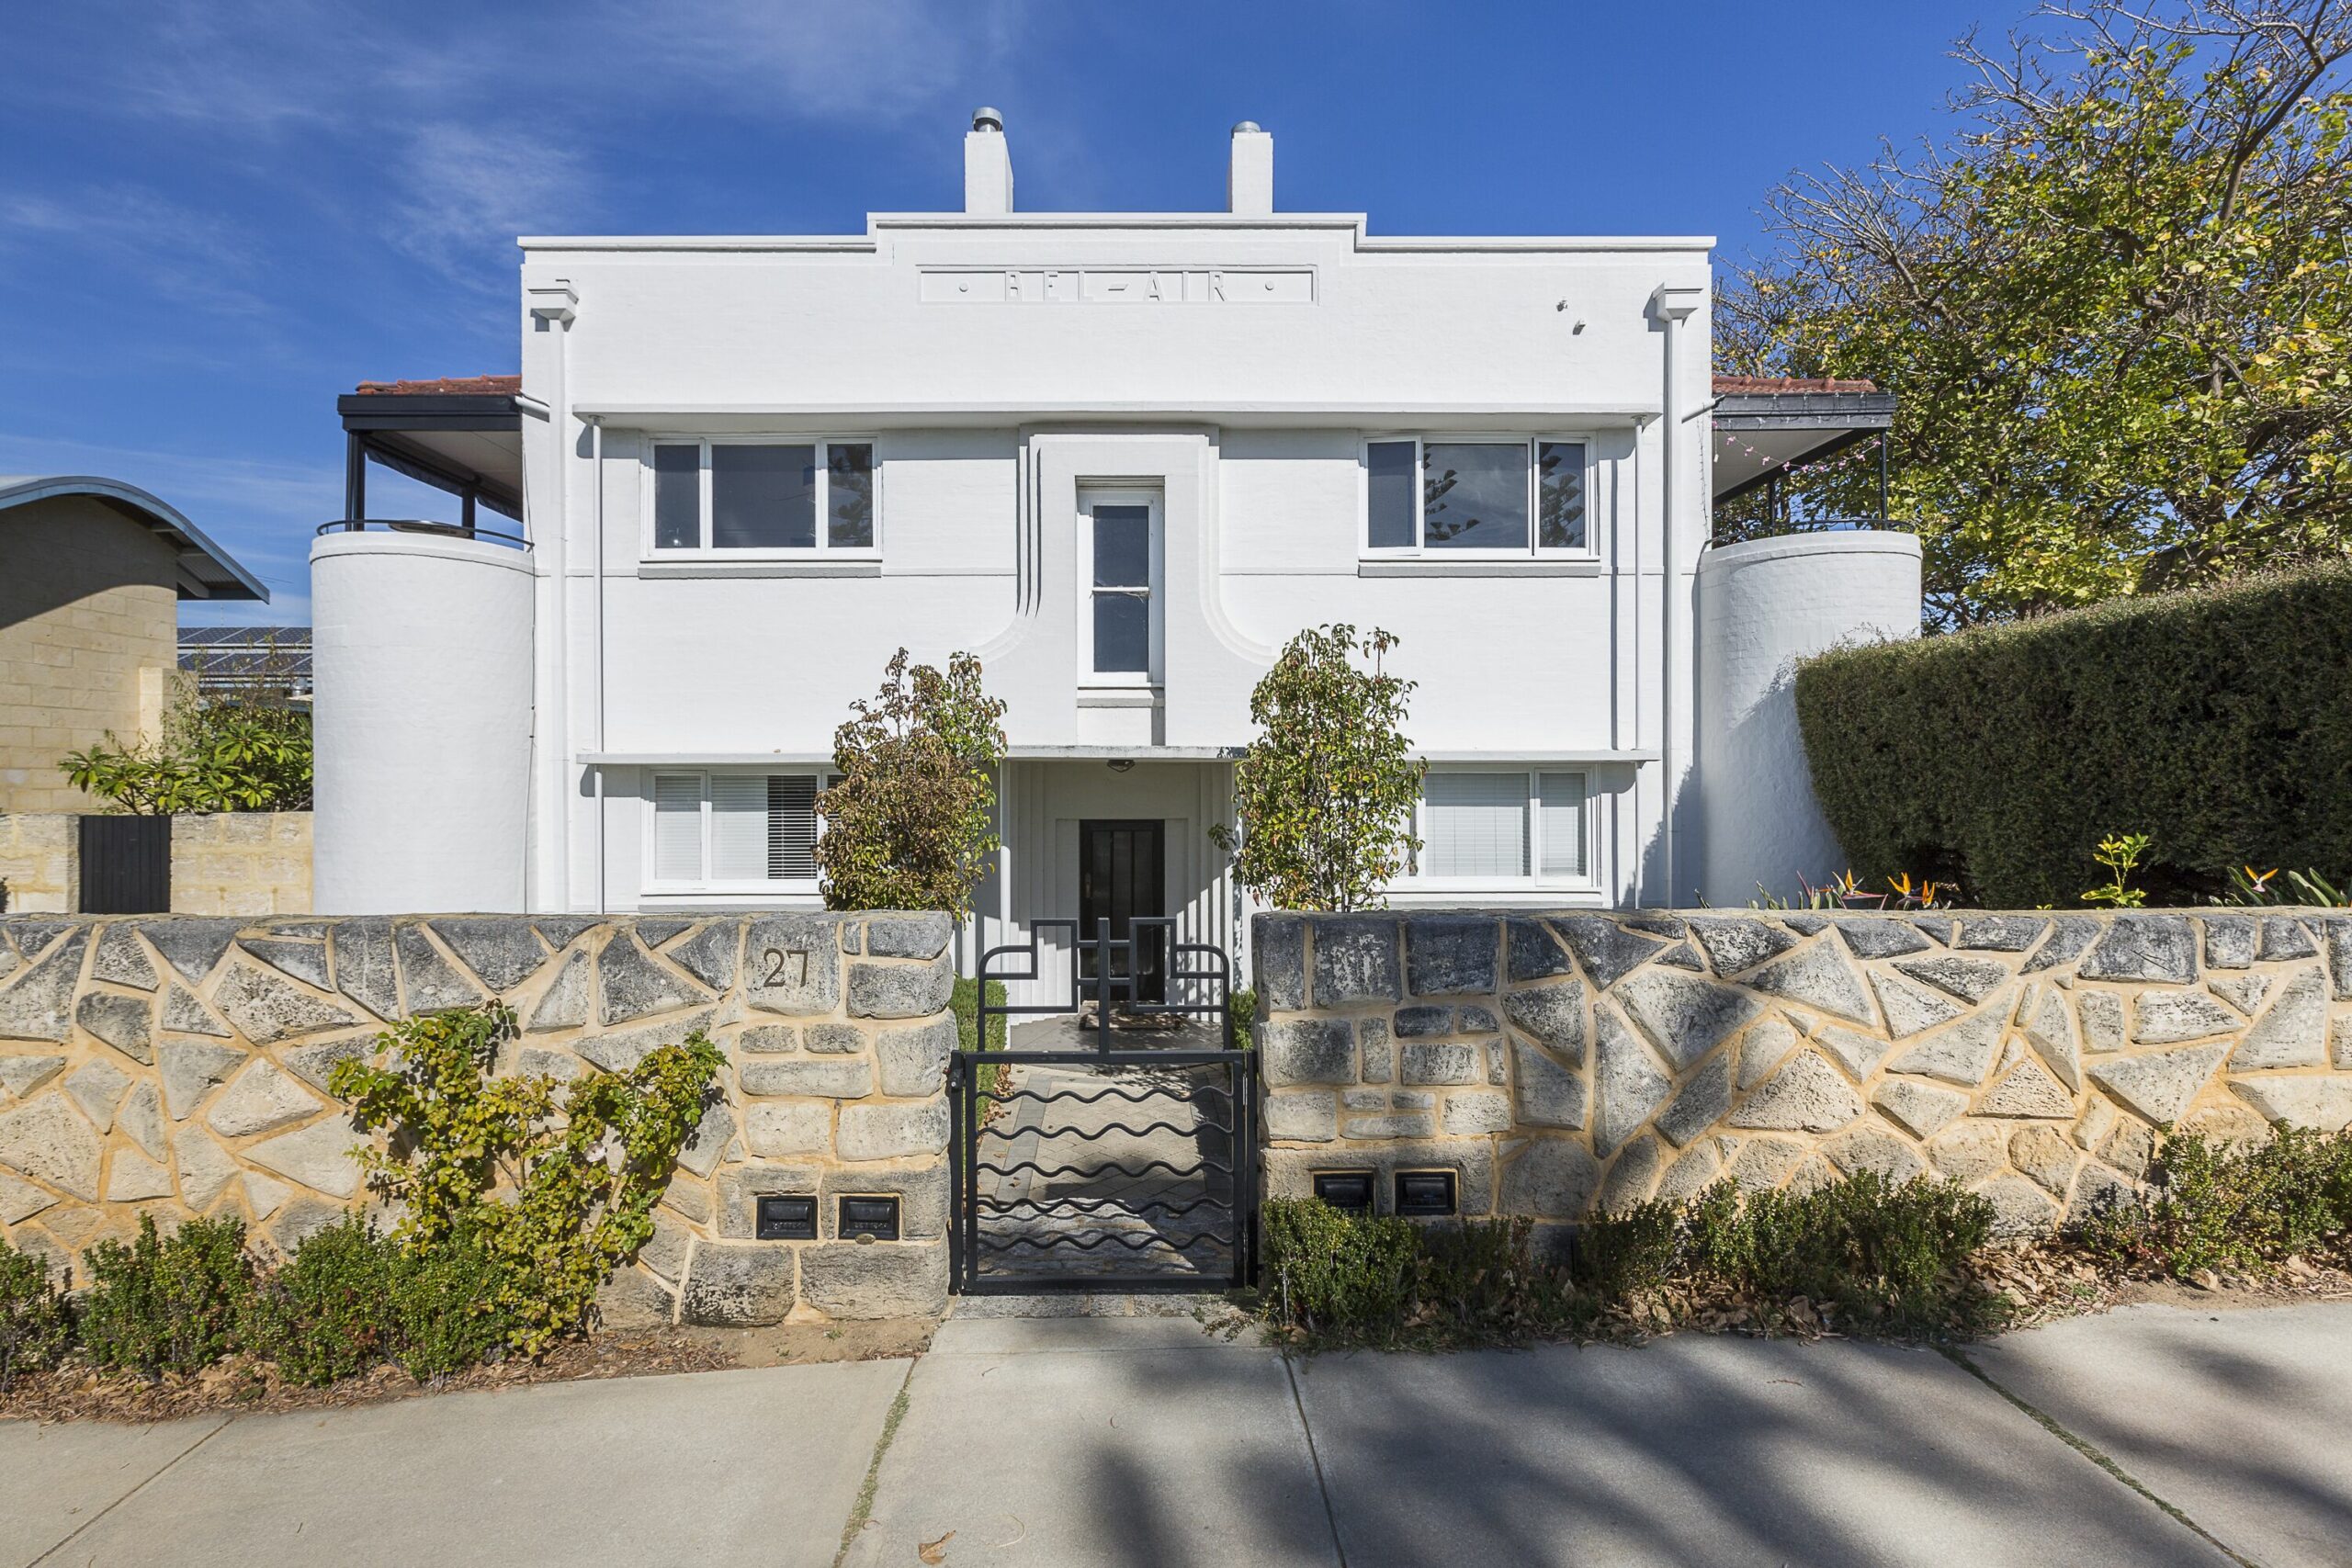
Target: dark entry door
[{"x": 1121, "y": 874}]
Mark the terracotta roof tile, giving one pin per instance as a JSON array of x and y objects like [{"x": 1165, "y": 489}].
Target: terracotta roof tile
[
  {"x": 446, "y": 387},
  {"x": 1727, "y": 385}
]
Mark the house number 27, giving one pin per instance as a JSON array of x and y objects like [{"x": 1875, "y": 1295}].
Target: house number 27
[{"x": 786, "y": 966}]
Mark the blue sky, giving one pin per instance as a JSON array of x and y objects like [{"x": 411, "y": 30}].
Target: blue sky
[{"x": 215, "y": 217}]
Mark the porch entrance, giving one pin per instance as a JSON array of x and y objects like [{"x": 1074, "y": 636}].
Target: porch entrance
[
  {"x": 1122, "y": 874},
  {"x": 1120, "y": 1155}
]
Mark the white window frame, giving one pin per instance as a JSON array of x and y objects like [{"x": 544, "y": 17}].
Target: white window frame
[
  {"x": 1155, "y": 594},
  {"x": 1420, "y": 550},
  {"x": 703, "y": 549},
  {"x": 1534, "y": 877},
  {"x": 652, "y": 884}
]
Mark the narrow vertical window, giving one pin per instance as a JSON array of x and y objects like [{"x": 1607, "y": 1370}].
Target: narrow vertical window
[
  {"x": 849, "y": 495},
  {"x": 1559, "y": 496},
  {"x": 738, "y": 827},
  {"x": 1560, "y": 825},
  {"x": 677, "y": 827},
  {"x": 792, "y": 826},
  {"x": 1121, "y": 590},
  {"x": 677, "y": 497},
  {"x": 1395, "y": 505}
]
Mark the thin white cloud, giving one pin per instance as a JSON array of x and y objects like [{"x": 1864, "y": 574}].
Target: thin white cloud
[
  {"x": 469, "y": 190},
  {"x": 193, "y": 256}
]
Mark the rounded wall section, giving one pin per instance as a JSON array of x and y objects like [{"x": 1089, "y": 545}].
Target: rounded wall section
[
  {"x": 421, "y": 660},
  {"x": 1762, "y": 606}
]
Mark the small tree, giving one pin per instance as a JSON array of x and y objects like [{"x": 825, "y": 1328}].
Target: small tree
[
  {"x": 1325, "y": 795},
  {"x": 913, "y": 822},
  {"x": 244, "y": 749}
]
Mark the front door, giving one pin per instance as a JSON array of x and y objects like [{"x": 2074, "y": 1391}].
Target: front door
[{"x": 1121, "y": 874}]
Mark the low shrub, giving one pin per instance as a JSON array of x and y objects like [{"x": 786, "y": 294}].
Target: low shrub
[
  {"x": 1241, "y": 1012},
  {"x": 1894, "y": 1255},
  {"x": 1328, "y": 1273},
  {"x": 35, "y": 1324},
  {"x": 1869, "y": 1255},
  {"x": 444, "y": 1309},
  {"x": 327, "y": 1315},
  {"x": 173, "y": 1303},
  {"x": 2241, "y": 1209}
]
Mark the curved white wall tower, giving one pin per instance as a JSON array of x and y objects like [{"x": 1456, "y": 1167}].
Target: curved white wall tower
[
  {"x": 421, "y": 677},
  {"x": 1763, "y": 605}
]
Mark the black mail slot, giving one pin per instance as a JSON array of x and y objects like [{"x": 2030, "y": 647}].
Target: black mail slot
[
  {"x": 1349, "y": 1190},
  {"x": 873, "y": 1217},
  {"x": 1425, "y": 1192},
  {"x": 786, "y": 1219}
]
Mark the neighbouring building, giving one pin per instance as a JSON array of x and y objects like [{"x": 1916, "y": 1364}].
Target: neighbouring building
[
  {"x": 241, "y": 661},
  {"x": 89, "y": 609},
  {"x": 1123, "y": 458}
]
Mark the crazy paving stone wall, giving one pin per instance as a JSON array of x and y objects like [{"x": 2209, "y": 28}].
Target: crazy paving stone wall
[
  {"x": 179, "y": 1066},
  {"x": 1565, "y": 1063}
]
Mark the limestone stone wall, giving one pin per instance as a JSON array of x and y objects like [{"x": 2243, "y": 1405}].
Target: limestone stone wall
[
  {"x": 1564, "y": 1063},
  {"x": 228, "y": 862},
  {"x": 177, "y": 1066}
]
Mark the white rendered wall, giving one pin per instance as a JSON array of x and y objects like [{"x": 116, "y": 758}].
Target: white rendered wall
[
  {"x": 992, "y": 404},
  {"x": 422, "y": 655},
  {"x": 1762, "y": 606}
]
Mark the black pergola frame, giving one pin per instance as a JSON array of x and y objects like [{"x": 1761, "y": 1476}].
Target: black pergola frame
[
  {"x": 1848, "y": 418},
  {"x": 374, "y": 423}
]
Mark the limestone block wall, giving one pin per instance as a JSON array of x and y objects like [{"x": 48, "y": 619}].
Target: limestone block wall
[
  {"x": 242, "y": 862},
  {"x": 39, "y": 860},
  {"x": 227, "y": 863},
  {"x": 1565, "y": 1062},
  {"x": 179, "y": 1066}
]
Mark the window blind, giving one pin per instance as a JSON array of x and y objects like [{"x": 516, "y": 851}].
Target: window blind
[
  {"x": 1564, "y": 851},
  {"x": 677, "y": 827},
  {"x": 791, "y": 844},
  {"x": 1476, "y": 824},
  {"x": 738, "y": 827}
]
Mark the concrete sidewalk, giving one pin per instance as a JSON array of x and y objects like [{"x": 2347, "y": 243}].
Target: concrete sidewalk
[{"x": 1141, "y": 1441}]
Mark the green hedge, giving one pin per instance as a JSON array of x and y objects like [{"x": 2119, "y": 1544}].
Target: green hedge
[{"x": 2218, "y": 720}]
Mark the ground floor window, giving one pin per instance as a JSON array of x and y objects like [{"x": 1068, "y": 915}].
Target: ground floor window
[
  {"x": 1494, "y": 825},
  {"x": 738, "y": 830}
]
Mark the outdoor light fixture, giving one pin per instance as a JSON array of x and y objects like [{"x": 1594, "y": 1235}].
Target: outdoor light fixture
[
  {"x": 786, "y": 1219},
  {"x": 1425, "y": 1192},
  {"x": 869, "y": 1219},
  {"x": 1348, "y": 1191},
  {"x": 1121, "y": 764}
]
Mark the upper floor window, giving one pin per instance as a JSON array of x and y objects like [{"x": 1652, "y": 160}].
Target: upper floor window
[
  {"x": 1484, "y": 495},
  {"x": 1119, "y": 531},
  {"x": 763, "y": 495}
]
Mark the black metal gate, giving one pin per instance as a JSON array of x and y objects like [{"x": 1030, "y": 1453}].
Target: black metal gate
[
  {"x": 126, "y": 865},
  {"x": 1120, "y": 1156}
]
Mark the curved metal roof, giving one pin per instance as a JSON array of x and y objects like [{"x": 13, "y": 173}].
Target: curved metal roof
[{"x": 206, "y": 570}]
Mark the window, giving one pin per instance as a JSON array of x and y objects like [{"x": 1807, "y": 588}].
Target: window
[
  {"x": 726, "y": 830},
  {"x": 1121, "y": 633},
  {"x": 1471, "y": 494},
  {"x": 763, "y": 495},
  {"x": 1494, "y": 825}
]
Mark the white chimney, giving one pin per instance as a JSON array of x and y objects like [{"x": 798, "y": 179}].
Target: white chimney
[
  {"x": 1250, "y": 181},
  {"x": 988, "y": 164}
]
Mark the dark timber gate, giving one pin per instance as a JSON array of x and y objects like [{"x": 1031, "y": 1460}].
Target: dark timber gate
[
  {"x": 126, "y": 865},
  {"x": 1122, "y": 1156}
]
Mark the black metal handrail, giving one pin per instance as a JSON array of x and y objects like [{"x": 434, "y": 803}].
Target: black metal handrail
[
  {"x": 1734, "y": 532},
  {"x": 423, "y": 525}
]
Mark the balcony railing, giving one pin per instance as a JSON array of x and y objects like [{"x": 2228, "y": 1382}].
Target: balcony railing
[
  {"x": 424, "y": 525},
  {"x": 1734, "y": 531}
]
